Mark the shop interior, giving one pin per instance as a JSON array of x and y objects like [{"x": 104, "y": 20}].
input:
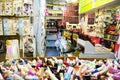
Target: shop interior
[{"x": 59, "y": 39}]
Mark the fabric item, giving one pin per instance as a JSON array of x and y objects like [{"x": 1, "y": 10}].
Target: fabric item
[
  {"x": 28, "y": 77},
  {"x": 95, "y": 40},
  {"x": 12, "y": 49},
  {"x": 116, "y": 76},
  {"x": 116, "y": 50},
  {"x": 9, "y": 78},
  {"x": 95, "y": 71},
  {"x": 112, "y": 70},
  {"x": 67, "y": 76},
  {"x": 30, "y": 72},
  {"x": 35, "y": 78}
]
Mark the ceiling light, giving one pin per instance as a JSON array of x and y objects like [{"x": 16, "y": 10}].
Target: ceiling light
[{"x": 73, "y": 1}]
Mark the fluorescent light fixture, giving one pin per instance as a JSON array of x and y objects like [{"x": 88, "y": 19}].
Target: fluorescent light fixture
[
  {"x": 73, "y": 1},
  {"x": 67, "y": 0}
]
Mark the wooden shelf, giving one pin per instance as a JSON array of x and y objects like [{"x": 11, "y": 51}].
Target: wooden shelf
[
  {"x": 5, "y": 37},
  {"x": 15, "y": 16}
]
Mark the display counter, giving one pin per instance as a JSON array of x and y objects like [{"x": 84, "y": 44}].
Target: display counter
[{"x": 91, "y": 51}]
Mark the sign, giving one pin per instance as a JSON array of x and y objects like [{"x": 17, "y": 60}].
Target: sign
[{"x": 86, "y": 5}]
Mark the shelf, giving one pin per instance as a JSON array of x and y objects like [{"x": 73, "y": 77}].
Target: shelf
[
  {"x": 110, "y": 40},
  {"x": 15, "y": 16},
  {"x": 4, "y": 37}
]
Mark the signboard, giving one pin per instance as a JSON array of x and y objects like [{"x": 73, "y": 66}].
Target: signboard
[{"x": 86, "y": 5}]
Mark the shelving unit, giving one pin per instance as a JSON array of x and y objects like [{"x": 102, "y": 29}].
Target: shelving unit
[
  {"x": 16, "y": 18},
  {"x": 70, "y": 13}
]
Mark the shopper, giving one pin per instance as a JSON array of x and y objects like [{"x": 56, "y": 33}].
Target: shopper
[{"x": 56, "y": 25}]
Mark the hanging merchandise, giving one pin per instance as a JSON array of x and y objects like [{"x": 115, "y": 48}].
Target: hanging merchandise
[
  {"x": 18, "y": 10},
  {"x": 29, "y": 46},
  {"x": 9, "y": 8},
  {"x": 25, "y": 27},
  {"x": 99, "y": 23},
  {"x": 10, "y": 26},
  {"x": 23, "y": 8},
  {"x": 6, "y": 8},
  {"x": 15, "y": 29},
  {"x": 1, "y": 27},
  {"x": 12, "y": 49},
  {"x": 20, "y": 26},
  {"x": 2, "y": 46},
  {"x": 2, "y": 6},
  {"x": 7, "y": 24},
  {"x": 28, "y": 7}
]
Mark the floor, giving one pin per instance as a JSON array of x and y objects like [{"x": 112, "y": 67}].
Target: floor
[
  {"x": 50, "y": 45},
  {"x": 52, "y": 52}
]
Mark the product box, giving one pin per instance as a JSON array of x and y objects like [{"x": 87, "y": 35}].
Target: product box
[
  {"x": 29, "y": 46},
  {"x": 6, "y": 25},
  {"x": 18, "y": 7},
  {"x": 9, "y": 8},
  {"x": 20, "y": 26},
  {"x": 12, "y": 49},
  {"x": 15, "y": 29},
  {"x": 26, "y": 27},
  {"x": 9, "y": 26},
  {"x": 28, "y": 9}
]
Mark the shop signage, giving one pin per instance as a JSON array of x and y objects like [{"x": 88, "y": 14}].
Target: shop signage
[{"x": 86, "y": 5}]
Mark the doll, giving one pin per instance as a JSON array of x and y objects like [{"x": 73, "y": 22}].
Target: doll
[
  {"x": 1, "y": 77},
  {"x": 113, "y": 71},
  {"x": 68, "y": 74},
  {"x": 52, "y": 76}
]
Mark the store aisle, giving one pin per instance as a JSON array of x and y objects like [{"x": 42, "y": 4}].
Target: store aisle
[
  {"x": 52, "y": 52},
  {"x": 50, "y": 45}
]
